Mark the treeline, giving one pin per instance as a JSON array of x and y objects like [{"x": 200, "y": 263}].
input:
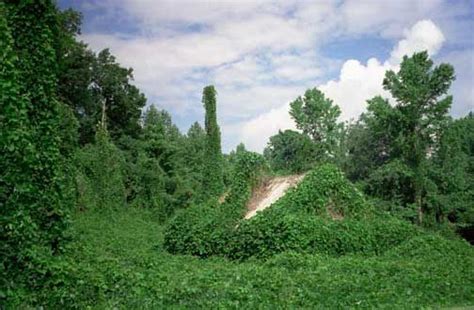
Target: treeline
[
  {"x": 411, "y": 157},
  {"x": 73, "y": 137}
]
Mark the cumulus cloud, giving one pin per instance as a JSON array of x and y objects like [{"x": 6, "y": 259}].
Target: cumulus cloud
[
  {"x": 261, "y": 54},
  {"x": 424, "y": 35},
  {"x": 357, "y": 82},
  {"x": 256, "y": 132}
]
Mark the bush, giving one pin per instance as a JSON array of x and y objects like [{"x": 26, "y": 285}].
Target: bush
[
  {"x": 434, "y": 246},
  {"x": 324, "y": 214},
  {"x": 101, "y": 174},
  {"x": 324, "y": 192},
  {"x": 264, "y": 236},
  {"x": 204, "y": 230}
]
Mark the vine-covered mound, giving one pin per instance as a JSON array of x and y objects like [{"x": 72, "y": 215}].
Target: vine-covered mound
[
  {"x": 324, "y": 214},
  {"x": 205, "y": 230}
]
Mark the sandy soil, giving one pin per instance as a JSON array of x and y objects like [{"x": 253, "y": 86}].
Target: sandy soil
[{"x": 268, "y": 193}]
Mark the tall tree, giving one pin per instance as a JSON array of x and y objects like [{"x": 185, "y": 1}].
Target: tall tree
[
  {"x": 419, "y": 90},
  {"x": 87, "y": 80},
  {"x": 123, "y": 101},
  {"x": 32, "y": 204},
  {"x": 213, "y": 174},
  {"x": 317, "y": 116}
]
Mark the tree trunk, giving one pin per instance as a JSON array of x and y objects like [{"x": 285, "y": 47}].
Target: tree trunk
[{"x": 420, "y": 210}]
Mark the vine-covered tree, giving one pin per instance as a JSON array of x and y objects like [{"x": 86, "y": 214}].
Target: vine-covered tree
[
  {"x": 32, "y": 184},
  {"x": 317, "y": 117},
  {"x": 101, "y": 173},
  {"x": 213, "y": 174}
]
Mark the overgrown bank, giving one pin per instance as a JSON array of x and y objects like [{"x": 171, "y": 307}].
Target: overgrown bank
[
  {"x": 119, "y": 261},
  {"x": 90, "y": 184},
  {"x": 325, "y": 214}
]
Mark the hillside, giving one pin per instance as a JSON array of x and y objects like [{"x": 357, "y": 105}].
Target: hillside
[
  {"x": 320, "y": 169},
  {"x": 119, "y": 262},
  {"x": 269, "y": 191}
]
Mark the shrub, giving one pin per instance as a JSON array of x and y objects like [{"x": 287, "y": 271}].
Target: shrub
[
  {"x": 434, "y": 246},
  {"x": 324, "y": 192},
  {"x": 204, "y": 230},
  {"x": 100, "y": 179},
  {"x": 301, "y": 221},
  {"x": 264, "y": 236}
]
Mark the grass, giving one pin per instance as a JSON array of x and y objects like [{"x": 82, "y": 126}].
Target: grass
[{"x": 118, "y": 261}]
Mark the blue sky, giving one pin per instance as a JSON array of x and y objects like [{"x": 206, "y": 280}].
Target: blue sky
[{"x": 261, "y": 55}]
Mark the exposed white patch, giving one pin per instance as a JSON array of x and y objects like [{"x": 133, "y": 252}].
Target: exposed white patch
[{"x": 273, "y": 190}]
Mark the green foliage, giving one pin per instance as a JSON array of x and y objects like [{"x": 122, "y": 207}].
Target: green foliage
[
  {"x": 432, "y": 245},
  {"x": 87, "y": 80},
  {"x": 34, "y": 201},
  {"x": 159, "y": 166},
  {"x": 213, "y": 173},
  {"x": 316, "y": 116},
  {"x": 452, "y": 174},
  {"x": 100, "y": 179},
  {"x": 117, "y": 261},
  {"x": 418, "y": 89},
  {"x": 327, "y": 193},
  {"x": 397, "y": 151},
  {"x": 290, "y": 151},
  {"x": 391, "y": 182},
  {"x": 195, "y": 160},
  {"x": 274, "y": 232},
  {"x": 322, "y": 244},
  {"x": 324, "y": 214},
  {"x": 300, "y": 221},
  {"x": 204, "y": 230},
  {"x": 370, "y": 141}
]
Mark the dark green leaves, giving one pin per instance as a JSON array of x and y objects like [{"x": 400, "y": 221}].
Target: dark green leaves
[{"x": 317, "y": 117}]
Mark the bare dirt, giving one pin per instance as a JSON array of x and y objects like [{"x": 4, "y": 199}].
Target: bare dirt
[{"x": 269, "y": 192}]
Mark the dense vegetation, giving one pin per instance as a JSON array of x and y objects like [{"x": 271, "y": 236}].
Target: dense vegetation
[{"x": 106, "y": 204}]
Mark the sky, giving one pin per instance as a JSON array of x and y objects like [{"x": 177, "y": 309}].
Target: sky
[{"x": 261, "y": 55}]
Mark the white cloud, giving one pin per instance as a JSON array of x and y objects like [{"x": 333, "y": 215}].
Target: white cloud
[
  {"x": 357, "y": 82},
  {"x": 255, "y": 133},
  {"x": 249, "y": 101},
  {"x": 424, "y": 35},
  {"x": 263, "y": 54},
  {"x": 387, "y": 17},
  {"x": 229, "y": 55}
]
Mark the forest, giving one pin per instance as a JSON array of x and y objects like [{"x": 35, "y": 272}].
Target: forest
[{"x": 105, "y": 203}]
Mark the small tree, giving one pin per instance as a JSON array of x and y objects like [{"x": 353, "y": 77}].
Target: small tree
[
  {"x": 290, "y": 151},
  {"x": 101, "y": 174},
  {"x": 317, "y": 116},
  {"x": 213, "y": 174}
]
